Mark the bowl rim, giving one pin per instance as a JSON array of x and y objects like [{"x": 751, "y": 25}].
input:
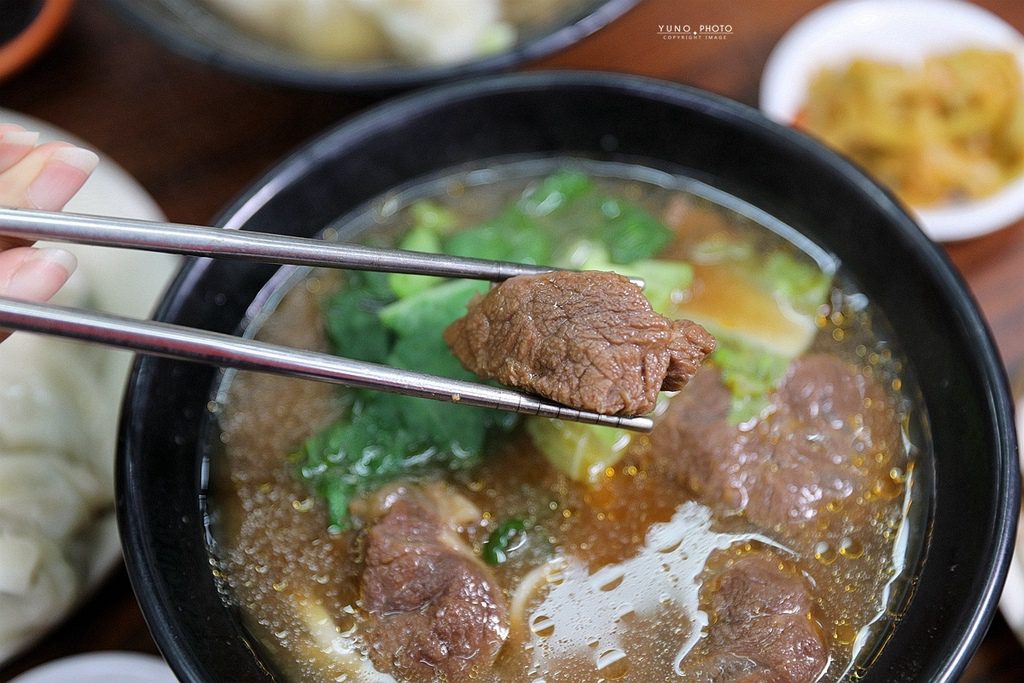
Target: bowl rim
[
  {"x": 569, "y": 31},
  {"x": 34, "y": 38},
  {"x": 998, "y": 415}
]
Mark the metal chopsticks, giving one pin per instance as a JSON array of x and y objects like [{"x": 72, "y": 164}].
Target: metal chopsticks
[
  {"x": 174, "y": 341},
  {"x": 196, "y": 240}
]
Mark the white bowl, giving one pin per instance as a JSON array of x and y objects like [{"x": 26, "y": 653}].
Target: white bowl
[
  {"x": 101, "y": 667},
  {"x": 1012, "y": 601},
  {"x": 905, "y": 32}
]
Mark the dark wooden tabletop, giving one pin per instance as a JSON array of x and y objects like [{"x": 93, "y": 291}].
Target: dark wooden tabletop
[{"x": 196, "y": 137}]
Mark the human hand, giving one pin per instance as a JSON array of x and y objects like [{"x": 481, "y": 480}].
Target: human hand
[{"x": 37, "y": 176}]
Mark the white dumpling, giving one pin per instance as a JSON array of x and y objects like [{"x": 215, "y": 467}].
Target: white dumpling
[
  {"x": 417, "y": 31},
  {"x": 47, "y": 587},
  {"x": 103, "y": 276},
  {"x": 41, "y": 382},
  {"x": 55, "y": 397},
  {"x": 92, "y": 376},
  {"x": 48, "y": 494},
  {"x": 20, "y": 557},
  {"x": 334, "y": 30},
  {"x": 441, "y": 31}
]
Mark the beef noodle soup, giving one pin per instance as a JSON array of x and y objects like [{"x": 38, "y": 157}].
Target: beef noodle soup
[{"x": 760, "y": 532}]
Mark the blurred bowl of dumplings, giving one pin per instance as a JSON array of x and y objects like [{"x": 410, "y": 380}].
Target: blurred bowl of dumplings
[{"x": 369, "y": 44}]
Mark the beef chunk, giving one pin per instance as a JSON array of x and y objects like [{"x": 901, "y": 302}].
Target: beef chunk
[
  {"x": 762, "y": 628},
  {"x": 818, "y": 443},
  {"x": 435, "y": 612},
  {"x": 588, "y": 340}
]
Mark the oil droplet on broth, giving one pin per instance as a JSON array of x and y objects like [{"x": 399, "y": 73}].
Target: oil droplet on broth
[
  {"x": 613, "y": 583},
  {"x": 825, "y": 553},
  {"x": 851, "y": 548},
  {"x": 672, "y": 546},
  {"x": 542, "y": 625},
  {"x": 555, "y": 574},
  {"x": 844, "y": 632},
  {"x": 612, "y": 664},
  {"x": 346, "y": 624},
  {"x": 626, "y": 616},
  {"x": 887, "y": 488}
]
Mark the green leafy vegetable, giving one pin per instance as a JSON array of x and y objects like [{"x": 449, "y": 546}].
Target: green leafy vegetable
[
  {"x": 555, "y": 192},
  {"x": 630, "y": 232},
  {"x": 360, "y": 454},
  {"x": 750, "y": 373},
  {"x": 665, "y": 282},
  {"x": 563, "y": 208},
  {"x": 431, "y": 216},
  {"x": 580, "y": 451},
  {"x": 508, "y": 238},
  {"x": 419, "y": 322},
  {"x": 350, "y": 318},
  {"x": 430, "y": 309},
  {"x": 507, "y": 538},
  {"x": 430, "y": 221},
  {"x": 423, "y": 239},
  {"x": 386, "y": 436},
  {"x": 802, "y": 285}
]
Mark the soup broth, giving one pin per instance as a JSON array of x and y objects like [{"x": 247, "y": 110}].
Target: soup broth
[{"x": 617, "y": 557}]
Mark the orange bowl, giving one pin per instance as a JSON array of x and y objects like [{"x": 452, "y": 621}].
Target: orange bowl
[{"x": 30, "y": 41}]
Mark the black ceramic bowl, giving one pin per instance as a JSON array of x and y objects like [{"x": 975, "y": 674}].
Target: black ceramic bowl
[
  {"x": 967, "y": 529},
  {"x": 190, "y": 28}
]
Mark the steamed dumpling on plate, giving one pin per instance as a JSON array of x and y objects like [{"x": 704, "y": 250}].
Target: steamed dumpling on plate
[
  {"x": 60, "y": 402},
  {"x": 414, "y": 31}
]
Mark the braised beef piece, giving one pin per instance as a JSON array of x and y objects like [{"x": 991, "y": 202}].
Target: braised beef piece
[
  {"x": 817, "y": 445},
  {"x": 762, "y": 627},
  {"x": 585, "y": 339},
  {"x": 435, "y": 612}
]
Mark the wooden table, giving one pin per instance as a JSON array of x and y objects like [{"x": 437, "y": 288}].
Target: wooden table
[{"x": 195, "y": 138}]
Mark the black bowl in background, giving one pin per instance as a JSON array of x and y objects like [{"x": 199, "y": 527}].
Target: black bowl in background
[
  {"x": 968, "y": 526},
  {"x": 190, "y": 28}
]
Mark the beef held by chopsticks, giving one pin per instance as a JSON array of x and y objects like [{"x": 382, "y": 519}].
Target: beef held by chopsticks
[{"x": 585, "y": 339}]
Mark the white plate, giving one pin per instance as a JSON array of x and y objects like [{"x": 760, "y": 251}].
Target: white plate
[
  {"x": 904, "y": 31},
  {"x": 124, "y": 282},
  {"x": 1012, "y": 601},
  {"x": 101, "y": 667}
]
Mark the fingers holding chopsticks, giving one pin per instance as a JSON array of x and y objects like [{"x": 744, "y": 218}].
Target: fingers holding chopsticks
[
  {"x": 37, "y": 176},
  {"x": 40, "y": 176},
  {"x": 34, "y": 274}
]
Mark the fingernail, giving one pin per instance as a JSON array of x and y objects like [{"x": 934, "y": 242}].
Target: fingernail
[
  {"x": 19, "y": 138},
  {"x": 14, "y": 145},
  {"x": 61, "y": 177},
  {"x": 41, "y": 274}
]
